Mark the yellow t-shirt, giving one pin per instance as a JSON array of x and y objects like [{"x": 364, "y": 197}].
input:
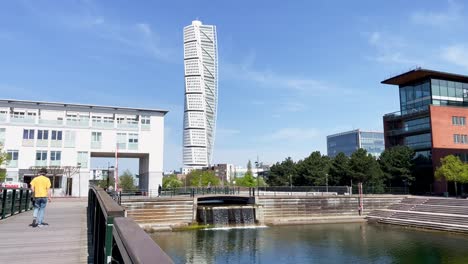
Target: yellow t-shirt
[{"x": 41, "y": 186}]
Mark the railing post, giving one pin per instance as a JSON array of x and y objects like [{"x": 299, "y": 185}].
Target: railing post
[
  {"x": 13, "y": 199},
  {"x": 20, "y": 201},
  {"x": 108, "y": 238},
  {"x": 4, "y": 198}
]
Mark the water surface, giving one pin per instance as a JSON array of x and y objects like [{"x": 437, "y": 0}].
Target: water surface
[{"x": 324, "y": 243}]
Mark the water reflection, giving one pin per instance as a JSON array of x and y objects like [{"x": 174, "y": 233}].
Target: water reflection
[{"x": 333, "y": 243}]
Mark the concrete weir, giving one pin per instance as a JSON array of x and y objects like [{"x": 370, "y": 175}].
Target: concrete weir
[{"x": 168, "y": 213}]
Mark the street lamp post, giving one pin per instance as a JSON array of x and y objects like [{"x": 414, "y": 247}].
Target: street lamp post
[
  {"x": 258, "y": 184},
  {"x": 326, "y": 181},
  {"x": 290, "y": 182}
]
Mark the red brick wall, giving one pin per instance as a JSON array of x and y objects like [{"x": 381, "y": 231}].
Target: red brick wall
[
  {"x": 442, "y": 128},
  {"x": 442, "y": 137}
]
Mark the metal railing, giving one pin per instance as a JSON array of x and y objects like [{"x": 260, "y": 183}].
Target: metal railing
[
  {"x": 14, "y": 201},
  {"x": 114, "y": 238}
]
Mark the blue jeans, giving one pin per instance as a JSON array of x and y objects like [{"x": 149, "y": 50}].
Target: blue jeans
[{"x": 39, "y": 209}]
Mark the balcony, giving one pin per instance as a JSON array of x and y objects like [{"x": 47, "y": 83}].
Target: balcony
[
  {"x": 56, "y": 143},
  {"x": 78, "y": 123},
  {"x": 55, "y": 163},
  {"x": 22, "y": 120},
  {"x": 96, "y": 144},
  {"x": 42, "y": 143},
  {"x": 421, "y": 111},
  {"x": 50, "y": 122},
  {"x": 146, "y": 127},
  {"x": 102, "y": 125},
  {"x": 419, "y": 145},
  {"x": 12, "y": 164},
  {"x": 132, "y": 146},
  {"x": 41, "y": 163},
  {"x": 127, "y": 126},
  {"x": 409, "y": 130}
]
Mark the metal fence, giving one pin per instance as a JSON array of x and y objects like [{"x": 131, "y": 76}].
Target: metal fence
[
  {"x": 114, "y": 238},
  {"x": 14, "y": 201}
]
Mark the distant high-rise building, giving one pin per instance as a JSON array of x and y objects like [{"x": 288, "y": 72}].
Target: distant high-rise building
[
  {"x": 201, "y": 94},
  {"x": 350, "y": 141}
]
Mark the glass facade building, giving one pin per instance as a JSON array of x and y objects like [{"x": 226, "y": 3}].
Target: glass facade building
[
  {"x": 349, "y": 142},
  {"x": 431, "y": 121}
]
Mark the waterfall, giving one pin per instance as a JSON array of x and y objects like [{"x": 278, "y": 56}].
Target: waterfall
[{"x": 220, "y": 216}]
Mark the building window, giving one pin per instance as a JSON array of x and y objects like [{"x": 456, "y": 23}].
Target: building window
[
  {"x": 145, "y": 120},
  {"x": 132, "y": 141},
  {"x": 458, "y": 120},
  {"x": 460, "y": 139},
  {"x": 12, "y": 158},
  {"x": 2, "y": 136},
  {"x": 70, "y": 139},
  {"x": 41, "y": 158},
  {"x": 55, "y": 158},
  {"x": 82, "y": 159},
  {"x": 42, "y": 134},
  {"x": 28, "y": 133},
  {"x": 121, "y": 140},
  {"x": 96, "y": 138},
  {"x": 56, "y": 135}
]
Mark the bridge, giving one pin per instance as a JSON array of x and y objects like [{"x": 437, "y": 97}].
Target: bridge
[{"x": 93, "y": 230}]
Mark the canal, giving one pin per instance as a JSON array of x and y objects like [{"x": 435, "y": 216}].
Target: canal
[{"x": 324, "y": 243}]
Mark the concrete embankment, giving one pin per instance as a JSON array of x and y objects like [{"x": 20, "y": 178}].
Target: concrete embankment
[
  {"x": 167, "y": 213},
  {"x": 445, "y": 214},
  {"x": 286, "y": 210}
]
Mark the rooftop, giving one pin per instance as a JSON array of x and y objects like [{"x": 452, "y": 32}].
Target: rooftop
[
  {"x": 36, "y": 104},
  {"x": 355, "y": 131},
  {"x": 420, "y": 73}
]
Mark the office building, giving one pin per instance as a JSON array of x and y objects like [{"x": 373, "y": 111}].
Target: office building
[
  {"x": 350, "y": 141},
  {"x": 201, "y": 94},
  {"x": 431, "y": 120},
  {"x": 44, "y": 134}
]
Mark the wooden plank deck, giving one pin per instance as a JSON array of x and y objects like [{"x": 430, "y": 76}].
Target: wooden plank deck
[{"x": 63, "y": 241}]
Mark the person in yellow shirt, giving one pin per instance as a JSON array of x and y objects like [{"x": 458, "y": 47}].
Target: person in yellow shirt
[{"x": 40, "y": 186}]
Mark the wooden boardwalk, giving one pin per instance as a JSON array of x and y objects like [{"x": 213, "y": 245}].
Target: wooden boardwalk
[{"x": 63, "y": 241}]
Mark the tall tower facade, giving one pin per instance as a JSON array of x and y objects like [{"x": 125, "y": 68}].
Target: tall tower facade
[{"x": 201, "y": 94}]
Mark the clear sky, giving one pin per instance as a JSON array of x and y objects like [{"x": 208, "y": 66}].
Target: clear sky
[{"x": 290, "y": 72}]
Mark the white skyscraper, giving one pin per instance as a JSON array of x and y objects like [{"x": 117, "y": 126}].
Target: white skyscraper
[{"x": 201, "y": 94}]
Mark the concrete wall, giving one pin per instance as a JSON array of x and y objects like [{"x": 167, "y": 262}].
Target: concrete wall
[{"x": 277, "y": 209}]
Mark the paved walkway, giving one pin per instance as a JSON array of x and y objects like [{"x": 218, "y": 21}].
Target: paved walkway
[{"x": 63, "y": 241}]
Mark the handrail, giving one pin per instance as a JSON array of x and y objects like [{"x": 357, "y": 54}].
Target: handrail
[
  {"x": 139, "y": 247},
  {"x": 115, "y": 237},
  {"x": 14, "y": 201}
]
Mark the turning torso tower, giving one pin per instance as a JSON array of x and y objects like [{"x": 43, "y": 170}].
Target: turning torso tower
[{"x": 201, "y": 94}]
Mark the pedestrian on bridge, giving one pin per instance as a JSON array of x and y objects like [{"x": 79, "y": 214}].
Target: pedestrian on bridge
[{"x": 40, "y": 186}]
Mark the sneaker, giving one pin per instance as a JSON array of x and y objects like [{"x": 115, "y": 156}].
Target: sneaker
[
  {"x": 40, "y": 225},
  {"x": 44, "y": 223},
  {"x": 34, "y": 223}
]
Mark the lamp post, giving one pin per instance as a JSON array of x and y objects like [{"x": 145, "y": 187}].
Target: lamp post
[
  {"x": 256, "y": 167},
  {"x": 290, "y": 182},
  {"x": 326, "y": 181}
]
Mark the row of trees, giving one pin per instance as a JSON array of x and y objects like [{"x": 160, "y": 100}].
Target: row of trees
[
  {"x": 453, "y": 170},
  {"x": 393, "y": 168}
]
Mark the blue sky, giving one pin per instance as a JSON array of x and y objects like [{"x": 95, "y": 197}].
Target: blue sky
[{"x": 290, "y": 72}]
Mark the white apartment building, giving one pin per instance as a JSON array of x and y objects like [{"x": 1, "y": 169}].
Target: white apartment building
[
  {"x": 201, "y": 94},
  {"x": 60, "y": 134}
]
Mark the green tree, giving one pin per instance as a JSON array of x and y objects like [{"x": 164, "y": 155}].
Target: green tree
[
  {"x": 339, "y": 173},
  {"x": 280, "y": 173},
  {"x": 201, "y": 178},
  {"x": 3, "y": 160},
  {"x": 365, "y": 168},
  {"x": 247, "y": 181},
  {"x": 453, "y": 170},
  {"x": 126, "y": 182},
  {"x": 171, "y": 181},
  {"x": 313, "y": 170},
  {"x": 396, "y": 164}
]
